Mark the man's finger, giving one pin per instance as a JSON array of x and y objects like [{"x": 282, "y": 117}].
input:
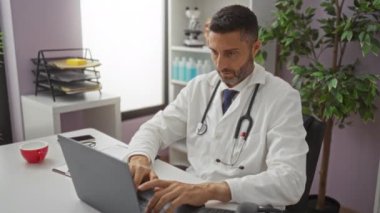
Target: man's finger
[
  {"x": 165, "y": 198},
  {"x": 138, "y": 177},
  {"x": 175, "y": 204},
  {"x": 152, "y": 175},
  {"x": 132, "y": 169},
  {"x": 154, "y": 183},
  {"x": 153, "y": 200}
]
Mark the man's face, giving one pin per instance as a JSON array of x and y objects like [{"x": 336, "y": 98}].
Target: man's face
[{"x": 232, "y": 55}]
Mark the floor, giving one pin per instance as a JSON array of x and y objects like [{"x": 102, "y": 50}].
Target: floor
[{"x": 347, "y": 210}]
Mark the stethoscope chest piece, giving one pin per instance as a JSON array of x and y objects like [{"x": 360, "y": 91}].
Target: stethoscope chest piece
[{"x": 201, "y": 128}]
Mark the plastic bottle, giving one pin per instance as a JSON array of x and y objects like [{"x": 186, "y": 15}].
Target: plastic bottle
[
  {"x": 182, "y": 69},
  {"x": 190, "y": 68},
  {"x": 199, "y": 67},
  {"x": 206, "y": 66},
  {"x": 175, "y": 69},
  {"x": 193, "y": 70}
]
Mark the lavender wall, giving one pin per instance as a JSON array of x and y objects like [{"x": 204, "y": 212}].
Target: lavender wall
[
  {"x": 41, "y": 24},
  {"x": 35, "y": 25},
  {"x": 129, "y": 127}
]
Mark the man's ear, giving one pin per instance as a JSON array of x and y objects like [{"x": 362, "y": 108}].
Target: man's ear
[{"x": 256, "y": 47}]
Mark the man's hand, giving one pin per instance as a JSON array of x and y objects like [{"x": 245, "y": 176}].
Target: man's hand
[
  {"x": 141, "y": 169},
  {"x": 177, "y": 194}
]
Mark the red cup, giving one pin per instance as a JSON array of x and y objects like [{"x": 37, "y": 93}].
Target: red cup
[{"x": 35, "y": 151}]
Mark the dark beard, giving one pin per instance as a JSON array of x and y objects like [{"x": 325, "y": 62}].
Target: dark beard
[{"x": 244, "y": 71}]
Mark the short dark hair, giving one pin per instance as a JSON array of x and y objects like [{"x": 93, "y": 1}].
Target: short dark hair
[{"x": 233, "y": 18}]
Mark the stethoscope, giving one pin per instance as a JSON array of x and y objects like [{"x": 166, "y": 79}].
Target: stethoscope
[{"x": 202, "y": 126}]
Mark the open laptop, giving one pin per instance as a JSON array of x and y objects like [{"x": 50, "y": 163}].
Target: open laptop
[{"x": 105, "y": 182}]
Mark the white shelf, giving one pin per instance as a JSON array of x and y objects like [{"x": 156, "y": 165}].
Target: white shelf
[
  {"x": 203, "y": 49},
  {"x": 180, "y": 83},
  {"x": 42, "y": 115}
]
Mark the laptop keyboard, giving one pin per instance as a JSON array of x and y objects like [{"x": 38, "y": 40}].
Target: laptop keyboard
[
  {"x": 191, "y": 209},
  {"x": 145, "y": 196}
]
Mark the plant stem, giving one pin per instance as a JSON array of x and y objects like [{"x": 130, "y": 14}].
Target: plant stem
[
  {"x": 338, "y": 11},
  {"x": 330, "y": 121},
  {"x": 342, "y": 51},
  {"x": 277, "y": 59},
  {"x": 325, "y": 164}
]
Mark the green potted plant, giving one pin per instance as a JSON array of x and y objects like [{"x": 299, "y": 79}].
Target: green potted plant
[{"x": 332, "y": 91}]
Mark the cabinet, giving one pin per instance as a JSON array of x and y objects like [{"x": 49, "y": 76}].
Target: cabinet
[
  {"x": 66, "y": 71},
  {"x": 177, "y": 22},
  {"x": 42, "y": 116}
]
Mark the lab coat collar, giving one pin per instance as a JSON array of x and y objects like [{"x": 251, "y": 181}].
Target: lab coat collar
[{"x": 256, "y": 77}]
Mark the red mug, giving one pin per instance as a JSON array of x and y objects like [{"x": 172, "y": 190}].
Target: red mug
[{"x": 34, "y": 151}]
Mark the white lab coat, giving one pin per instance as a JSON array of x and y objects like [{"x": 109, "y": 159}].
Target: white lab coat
[{"x": 274, "y": 155}]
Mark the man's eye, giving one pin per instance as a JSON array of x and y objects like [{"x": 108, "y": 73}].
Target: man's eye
[{"x": 231, "y": 54}]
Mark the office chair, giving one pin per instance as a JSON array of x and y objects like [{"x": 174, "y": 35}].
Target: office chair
[{"x": 314, "y": 136}]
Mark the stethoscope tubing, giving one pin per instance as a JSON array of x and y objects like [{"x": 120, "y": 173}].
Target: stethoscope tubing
[
  {"x": 247, "y": 116},
  {"x": 210, "y": 102}
]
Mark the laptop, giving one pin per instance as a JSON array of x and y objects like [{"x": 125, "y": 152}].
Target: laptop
[{"x": 105, "y": 182}]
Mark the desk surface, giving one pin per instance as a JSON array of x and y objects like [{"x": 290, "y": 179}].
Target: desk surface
[{"x": 36, "y": 188}]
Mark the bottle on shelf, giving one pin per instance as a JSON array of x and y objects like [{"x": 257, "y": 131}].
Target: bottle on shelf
[
  {"x": 206, "y": 66},
  {"x": 199, "y": 67},
  {"x": 175, "y": 69},
  {"x": 182, "y": 69},
  {"x": 191, "y": 69}
]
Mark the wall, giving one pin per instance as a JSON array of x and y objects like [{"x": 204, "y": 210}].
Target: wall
[
  {"x": 30, "y": 26},
  {"x": 129, "y": 127}
]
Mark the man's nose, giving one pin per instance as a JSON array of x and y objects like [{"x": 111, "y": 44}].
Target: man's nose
[{"x": 220, "y": 63}]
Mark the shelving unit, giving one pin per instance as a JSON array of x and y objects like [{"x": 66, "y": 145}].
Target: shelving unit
[
  {"x": 176, "y": 24},
  {"x": 66, "y": 71},
  {"x": 179, "y": 83},
  {"x": 203, "y": 49}
]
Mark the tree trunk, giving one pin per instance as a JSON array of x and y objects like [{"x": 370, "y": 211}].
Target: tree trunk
[
  {"x": 278, "y": 66},
  {"x": 330, "y": 122},
  {"x": 325, "y": 164}
]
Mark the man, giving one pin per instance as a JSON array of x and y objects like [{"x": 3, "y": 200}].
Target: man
[{"x": 265, "y": 164}]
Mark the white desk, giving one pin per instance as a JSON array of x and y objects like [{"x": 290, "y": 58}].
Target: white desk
[
  {"x": 36, "y": 188},
  {"x": 42, "y": 116}
]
